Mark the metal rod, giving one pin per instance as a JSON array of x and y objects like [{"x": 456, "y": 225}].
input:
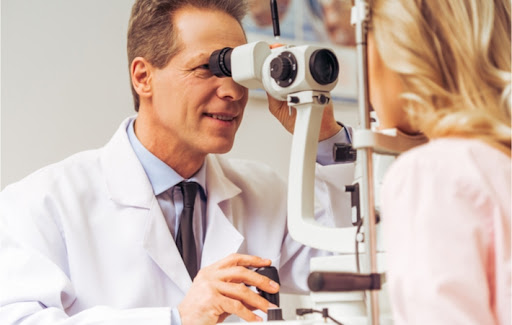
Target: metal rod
[
  {"x": 275, "y": 18},
  {"x": 365, "y": 156}
]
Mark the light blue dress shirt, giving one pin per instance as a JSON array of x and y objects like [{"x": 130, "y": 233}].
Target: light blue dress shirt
[
  {"x": 324, "y": 153},
  {"x": 164, "y": 180}
]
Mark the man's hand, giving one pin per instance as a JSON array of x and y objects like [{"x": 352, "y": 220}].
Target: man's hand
[
  {"x": 220, "y": 290},
  {"x": 280, "y": 110}
]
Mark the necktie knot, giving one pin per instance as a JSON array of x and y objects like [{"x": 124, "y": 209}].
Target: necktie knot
[{"x": 189, "y": 191}]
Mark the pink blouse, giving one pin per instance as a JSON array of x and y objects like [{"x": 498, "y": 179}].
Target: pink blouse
[{"x": 446, "y": 209}]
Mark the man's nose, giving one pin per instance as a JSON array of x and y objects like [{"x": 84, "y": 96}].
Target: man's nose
[{"x": 228, "y": 89}]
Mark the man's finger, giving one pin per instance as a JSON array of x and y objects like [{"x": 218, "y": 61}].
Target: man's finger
[
  {"x": 243, "y": 260},
  {"x": 241, "y": 274},
  {"x": 236, "y": 307},
  {"x": 250, "y": 299}
]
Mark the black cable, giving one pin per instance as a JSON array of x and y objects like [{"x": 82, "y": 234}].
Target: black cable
[{"x": 324, "y": 312}]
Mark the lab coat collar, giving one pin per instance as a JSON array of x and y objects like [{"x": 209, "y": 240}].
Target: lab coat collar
[
  {"x": 126, "y": 179},
  {"x": 161, "y": 246}
]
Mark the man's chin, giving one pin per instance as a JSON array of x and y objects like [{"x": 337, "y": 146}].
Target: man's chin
[{"x": 220, "y": 149}]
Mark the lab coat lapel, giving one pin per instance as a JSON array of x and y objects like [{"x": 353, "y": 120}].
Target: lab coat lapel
[
  {"x": 161, "y": 246},
  {"x": 222, "y": 238},
  {"x": 129, "y": 186}
]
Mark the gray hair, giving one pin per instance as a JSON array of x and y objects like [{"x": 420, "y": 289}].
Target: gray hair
[{"x": 152, "y": 34}]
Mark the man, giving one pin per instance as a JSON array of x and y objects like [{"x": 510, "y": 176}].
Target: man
[{"x": 97, "y": 238}]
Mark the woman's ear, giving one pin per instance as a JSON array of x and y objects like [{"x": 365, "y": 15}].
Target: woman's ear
[{"x": 140, "y": 73}]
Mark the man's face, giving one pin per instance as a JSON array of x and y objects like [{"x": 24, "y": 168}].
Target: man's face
[{"x": 192, "y": 112}]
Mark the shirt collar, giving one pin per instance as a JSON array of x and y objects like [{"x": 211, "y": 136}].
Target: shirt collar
[{"x": 161, "y": 176}]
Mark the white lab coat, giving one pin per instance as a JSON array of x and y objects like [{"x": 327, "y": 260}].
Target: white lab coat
[{"x": 84, "y": 241}]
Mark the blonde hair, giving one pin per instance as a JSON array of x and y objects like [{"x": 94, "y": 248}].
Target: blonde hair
[{"x": 453, "y": 57}]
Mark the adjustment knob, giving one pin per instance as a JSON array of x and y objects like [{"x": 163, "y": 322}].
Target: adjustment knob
[
  {"x": 280, "y": 68},
  {"x": 283, "y": 69}
]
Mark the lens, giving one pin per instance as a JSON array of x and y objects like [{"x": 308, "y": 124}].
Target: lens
[
  {"x": 220, "y": 62},
  {"x": 323, "y": 65}
]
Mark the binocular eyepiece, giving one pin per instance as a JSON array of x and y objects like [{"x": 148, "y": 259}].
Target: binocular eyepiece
[
  {"x": 323, "y": 66},
  {"x": 220, "y": 62}
]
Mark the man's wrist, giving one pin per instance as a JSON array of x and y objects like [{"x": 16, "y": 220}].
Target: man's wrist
[
  {"x": 326, "y": 133},
  {"x": 325, "y": 151}
]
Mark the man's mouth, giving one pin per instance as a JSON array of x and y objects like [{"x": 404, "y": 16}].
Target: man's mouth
[{"x": 220, "y": 117}]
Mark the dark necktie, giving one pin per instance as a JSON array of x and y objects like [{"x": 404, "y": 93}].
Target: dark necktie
[{"x": 185, "y": 237}]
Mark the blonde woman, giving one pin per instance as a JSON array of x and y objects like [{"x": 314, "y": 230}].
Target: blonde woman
[{"x": 442, "y": 68}]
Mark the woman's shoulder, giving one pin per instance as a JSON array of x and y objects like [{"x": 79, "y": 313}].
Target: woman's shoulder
[
  {"x": 455, "y": 154},
  {"x": 456, "y": 163}
]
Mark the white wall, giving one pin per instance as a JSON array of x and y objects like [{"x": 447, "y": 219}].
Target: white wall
[{"x": 65, "y": 87}]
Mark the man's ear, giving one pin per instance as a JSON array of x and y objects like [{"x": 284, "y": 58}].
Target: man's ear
[{"x": 140, "y": 72}]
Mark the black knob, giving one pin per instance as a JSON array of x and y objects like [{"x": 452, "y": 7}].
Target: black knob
[
  {"x": 274, "y": 314},
  {"x": 271, "y": 273},
  {"x": 280, "y": 68},
  {"x": 283, "y": 69}
]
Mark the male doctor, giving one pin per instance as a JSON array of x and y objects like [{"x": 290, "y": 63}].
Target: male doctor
[{"x": 94, "y": 239}]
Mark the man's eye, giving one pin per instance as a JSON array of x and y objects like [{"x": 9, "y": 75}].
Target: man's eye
[{"x": 202, "y": 71}]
